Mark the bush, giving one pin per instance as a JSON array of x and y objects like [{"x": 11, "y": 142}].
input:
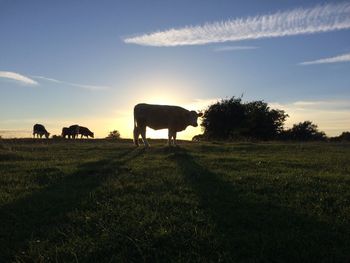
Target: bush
[
  {"x": 113, "y": 135},
  {"x": 230, "y": 119},
  {"x": 198, "y": 138},
  {"x": 304, "y": 131},
  {"x": 345, "y": 136}
]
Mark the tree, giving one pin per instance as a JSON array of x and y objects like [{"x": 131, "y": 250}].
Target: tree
[
  {"x": 232, "y": 119},
  {"x": 198, "y": 138},
  {"x": 223, "y": 119},
  {"x": 345, "y": 136},
  {"x": 304, "y": 131},
  {"x": 113, "y": 135},
  {"x": 262, "y": 122}
]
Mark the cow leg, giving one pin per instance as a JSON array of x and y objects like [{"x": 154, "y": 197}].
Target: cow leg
[
  {"x": 143, "y": 135},
  {"x": 174, "y": 139},
  {"x": 170, "y": 134},
  {"x": 136, "y": 135},
  {"x": 171, "y": 137}
]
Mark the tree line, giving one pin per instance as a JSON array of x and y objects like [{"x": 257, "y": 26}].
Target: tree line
[{"x": 233, "y": 119}]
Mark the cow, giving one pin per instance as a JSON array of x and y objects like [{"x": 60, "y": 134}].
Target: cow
[
  {"x": 85, "y": 132},
  {"x": 71, "y": 131},
  {"x": 173, "y": 118},
  {"x": 65, "y": 132},
  {"x": 39, "y": 130},
  {"x": 74, "y": 130}
]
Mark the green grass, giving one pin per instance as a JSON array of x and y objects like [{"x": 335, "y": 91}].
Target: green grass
[{"x": 102, "y": 201}]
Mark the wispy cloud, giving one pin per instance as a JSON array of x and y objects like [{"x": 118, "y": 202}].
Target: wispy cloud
[
  {"x": 233, "y": 48},
  {"x": 321, "y": 18},
  {"x": 336, "y": 59},
  {"x": 84, "y": 86},
  {"x": 17, "y": 77}
]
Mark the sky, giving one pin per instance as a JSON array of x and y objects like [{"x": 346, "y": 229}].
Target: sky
[{"x": 89, "y": 62}]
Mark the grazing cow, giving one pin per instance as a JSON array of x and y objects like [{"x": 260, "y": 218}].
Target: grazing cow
[
  {"x": 65, "y": 132},
  {"x": 74, "y": 130},
  {"x": 70, "y": 132},
  {"x": 173, "y": 118},
  {"x": 85, "y": 132},
  {"x": 39, "y": 130}
]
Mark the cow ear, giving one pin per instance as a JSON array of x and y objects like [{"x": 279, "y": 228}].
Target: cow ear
[{"x": 200, "y": 114}]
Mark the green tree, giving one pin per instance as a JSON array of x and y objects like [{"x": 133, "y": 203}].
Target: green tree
[
  {"x": 233, "y": 119},
  {"x": 304, "y": 131},
  {"x": 114, "y": 135},
  {"x": 223, "y": 119}
]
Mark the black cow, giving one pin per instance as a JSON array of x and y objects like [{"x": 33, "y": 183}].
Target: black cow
[
  {"x": 39, "y": 130},
  {"x": 173, "y": 118},
  {"x": 72, "y": 131},
  {"x": 83, "y": 131}
]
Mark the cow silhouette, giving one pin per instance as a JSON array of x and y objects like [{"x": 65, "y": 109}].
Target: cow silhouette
[
  {"x": 71, "y": 132},
  {"x": 173, "y": 118},
  {"x": 83, "y": 131},
  {"x": 39, "y": 130}
]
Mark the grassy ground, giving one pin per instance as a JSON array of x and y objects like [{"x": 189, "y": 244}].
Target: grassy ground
[{"x": 100, "y": 201}]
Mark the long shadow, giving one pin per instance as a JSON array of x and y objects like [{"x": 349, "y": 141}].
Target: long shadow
[
  {"x": 251, "y": 231},
  {"x": 32, "y": 216}
]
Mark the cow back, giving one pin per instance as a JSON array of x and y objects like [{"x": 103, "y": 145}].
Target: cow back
[
  {"x": 85, "y": 131},
  {"x": 39, "y": 128},
  {"x": 161, "y": 116}
]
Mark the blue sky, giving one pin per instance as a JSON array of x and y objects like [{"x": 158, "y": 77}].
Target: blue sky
[{"x": 89, "y": 62}]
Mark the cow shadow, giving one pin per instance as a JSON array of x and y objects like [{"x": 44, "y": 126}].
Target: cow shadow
[
  {"x": 251, "y": 231},
  {"x": 34, "y": 215}
]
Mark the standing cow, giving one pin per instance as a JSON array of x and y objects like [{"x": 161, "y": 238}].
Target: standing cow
[
  {"x": 74, "y": 130},
  {"x": 173, "y": 118},
  {"x": 39, "y": 130},
  {"x": 65, "y": 132},
  {"x": 85, "y": 132},
  {"x": 71, "y": 132}
]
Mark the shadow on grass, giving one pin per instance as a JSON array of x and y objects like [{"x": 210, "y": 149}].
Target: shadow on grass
[
  {"x": 248, "y": 230},
  {"x": 33, "y": 216}
]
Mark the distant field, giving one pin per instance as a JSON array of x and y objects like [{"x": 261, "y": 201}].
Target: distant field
[{"x": 103, "y": 201}]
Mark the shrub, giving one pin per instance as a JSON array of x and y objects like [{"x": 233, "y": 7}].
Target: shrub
[
  {"x": 345, "y": 136},
  {"x": 232, "y": 119},
  {"x": 304, "y": 131},
  {"x": 113, "y": 135}
]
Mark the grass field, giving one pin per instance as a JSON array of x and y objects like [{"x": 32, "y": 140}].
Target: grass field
[{"x": 103, "y": 201}]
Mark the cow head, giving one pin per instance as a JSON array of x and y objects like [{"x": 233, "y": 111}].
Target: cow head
[
  {"x": 193, "y": 118},
  {"x": 47, "y": 135},
  {"x": 64, "y": 131}
]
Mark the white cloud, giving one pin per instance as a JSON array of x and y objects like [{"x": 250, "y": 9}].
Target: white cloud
[
  {"x": 321, "y": 18},
  {"x": 84, "y": 86},
  {"x": 233, "y": 48},
  {"x": 336, "y": 59},
  {"x": 17, "y": 77}
]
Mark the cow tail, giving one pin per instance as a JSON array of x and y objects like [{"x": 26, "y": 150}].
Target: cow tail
[{"x": 135, "y": 131}]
